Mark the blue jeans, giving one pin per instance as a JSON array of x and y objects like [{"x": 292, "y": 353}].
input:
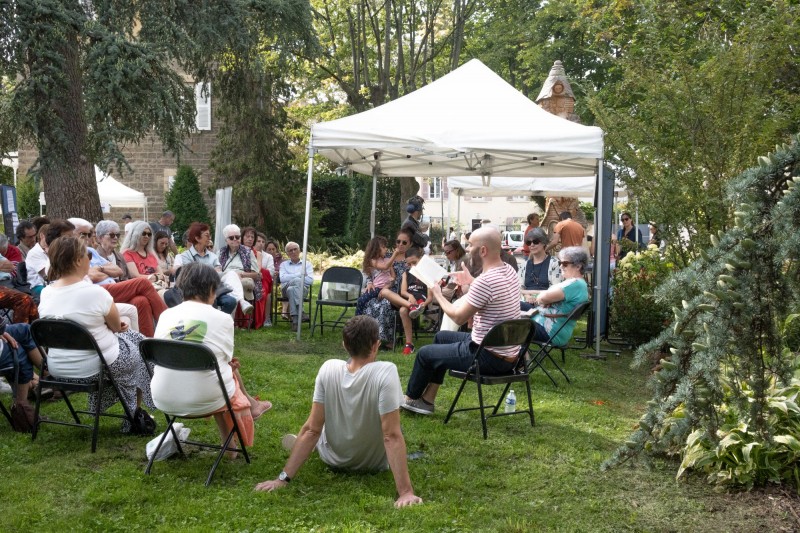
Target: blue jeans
[
  {"x": 450, "y": 350},
  {"x": 226, "y": 303},
  {"x": 22, "y": 334}
]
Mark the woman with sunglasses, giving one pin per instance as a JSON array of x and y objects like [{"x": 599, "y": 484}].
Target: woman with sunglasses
[
  {"x": 108, "y": 235},
  {"x": 556, "y": 303},
  {"x": 629, "y": 232},
  {"x": 382, "y": 309},
  {"x": 540, "y": 271},
  {"x": 139, "y": 254}
]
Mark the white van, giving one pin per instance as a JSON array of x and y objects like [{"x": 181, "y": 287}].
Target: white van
[{"x": 512, "y": 240}]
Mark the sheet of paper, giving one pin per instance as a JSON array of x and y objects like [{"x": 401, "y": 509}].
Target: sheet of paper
[{"x": 428, "y": 271}]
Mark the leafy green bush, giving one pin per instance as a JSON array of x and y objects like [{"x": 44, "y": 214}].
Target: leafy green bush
[
  {"x": 739, "y": 456},
  {"x": 635, "y": 314},
  {"x": 186, "y": 200}
]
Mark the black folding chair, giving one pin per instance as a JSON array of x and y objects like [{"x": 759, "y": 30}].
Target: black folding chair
[
  {"x": 545, "y": 348},
  {"x": 12, "y": 370},
  {"x": 64, "y": 334},
  {"x": 349, "y": 283},
  {"x": 508, "y": 333},
  {"x": 190, "y": 357},
  {"x": 278, "y": 299}
]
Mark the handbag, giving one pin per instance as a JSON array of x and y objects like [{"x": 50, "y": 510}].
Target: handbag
[
  {"x": 142, "y": 423},
  {"x": 22, "y": 418}
]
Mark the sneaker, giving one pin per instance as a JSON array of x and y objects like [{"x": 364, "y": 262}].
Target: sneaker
[
  {"x": 418, "y": 406},
  {"x": 247, "y": 307},
  {"x": 287, "y": 442},
  {"x": 408, "y": 349},
  {"x": 267, "y": 323},
  {"x": 415, "y": 310}
]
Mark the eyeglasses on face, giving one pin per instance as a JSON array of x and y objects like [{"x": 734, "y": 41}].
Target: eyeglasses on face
[
  {"x": 401, "y": 241},
  {"x": 565, "y": 263},
  {"x": 448, "y": 252},
  {"x": 234, "y": 237},
  {"x": 147, "y": 234},
  {"x": 625, "y": 219},
  {"x": 533, "y": 241},
  {"x": 114, "y": 235}
]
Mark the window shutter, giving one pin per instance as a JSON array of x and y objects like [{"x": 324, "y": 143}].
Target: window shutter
[
  {"x": 203, "y": 106},
  {"x": 445, "y": 190},
  {"x": 426, "y": 189}
]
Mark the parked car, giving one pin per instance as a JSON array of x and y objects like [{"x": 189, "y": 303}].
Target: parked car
[{"x": 512, "y": 240}]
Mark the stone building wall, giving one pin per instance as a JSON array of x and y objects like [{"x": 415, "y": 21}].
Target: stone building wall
[{"x": 151, "y": 169}]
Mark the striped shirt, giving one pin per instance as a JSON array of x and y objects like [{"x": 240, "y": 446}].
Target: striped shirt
[{"x": 496, "y": 295}]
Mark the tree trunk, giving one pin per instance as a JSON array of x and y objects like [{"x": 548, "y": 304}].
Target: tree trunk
[
  {"x": 408, "y": 188},
  {"x": 68, "y": 177}
]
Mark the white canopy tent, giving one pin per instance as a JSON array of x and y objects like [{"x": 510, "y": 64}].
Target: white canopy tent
[
  {"x": 114, "y": 193},
  {"x": 469, "y": 122},
  {"x": 580, "y": 187}
]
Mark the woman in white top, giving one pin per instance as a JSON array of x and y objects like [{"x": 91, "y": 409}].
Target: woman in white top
[
  {"x": 198, "y": 393},
  {"x": 71, "y": 296}
]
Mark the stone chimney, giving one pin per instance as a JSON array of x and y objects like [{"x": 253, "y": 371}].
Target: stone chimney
[{"x": 556, "y": 96}]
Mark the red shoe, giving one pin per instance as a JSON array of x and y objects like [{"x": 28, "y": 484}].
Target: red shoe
[
  {"x": 415, "y": 310},
  {"x": 408, "y": 349}
]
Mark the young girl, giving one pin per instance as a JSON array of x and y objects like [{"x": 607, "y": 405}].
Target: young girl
[
  {"x": 378, "y": 268},
  {"x": 415, "y": 292}
]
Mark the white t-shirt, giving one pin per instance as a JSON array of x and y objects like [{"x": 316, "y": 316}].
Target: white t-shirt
[
  {"x": 194, "y": 393},
  {"x": 354, "y": 403},
  {"x": 268, "y": 263},
  {"x": 35, "y": 262},
  {"x": 88, "y": 305}
]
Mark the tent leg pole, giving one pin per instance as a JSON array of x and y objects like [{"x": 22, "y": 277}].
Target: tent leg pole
[
  {"x": 374, "y": 201},
  {"x": 305, "y": 231}
]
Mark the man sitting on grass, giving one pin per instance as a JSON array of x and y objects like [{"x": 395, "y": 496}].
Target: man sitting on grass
[{"x": 351, "y": 396}]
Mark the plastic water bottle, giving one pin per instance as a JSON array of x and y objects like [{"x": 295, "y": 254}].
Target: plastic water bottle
[{"x": 511, "y": 402}]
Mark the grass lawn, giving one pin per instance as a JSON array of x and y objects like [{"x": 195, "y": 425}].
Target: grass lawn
[{"x": 520, "y": 479}]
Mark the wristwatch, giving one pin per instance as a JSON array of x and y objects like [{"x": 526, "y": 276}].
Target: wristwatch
[{"x": 284, "y": 477}]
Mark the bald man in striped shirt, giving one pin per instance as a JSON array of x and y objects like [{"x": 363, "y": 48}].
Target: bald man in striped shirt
[{"x": 493, "y": 297}]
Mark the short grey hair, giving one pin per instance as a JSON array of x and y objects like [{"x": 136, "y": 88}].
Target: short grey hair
[
  {"x": 576, "y": 255},
  {"x": 3, "y": 240},
  {"x": 197, "y": 281},
  {"x": 230, "y": 229},
  {"x": 291, "y": 243},
  {"x": 104, "y": 227},
  {"x": 539, "y": 234}
]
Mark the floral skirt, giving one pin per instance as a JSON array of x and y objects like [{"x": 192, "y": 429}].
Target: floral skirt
[{"x": 130, "y": 374}]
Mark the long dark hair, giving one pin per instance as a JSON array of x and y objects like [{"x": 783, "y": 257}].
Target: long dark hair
[{"x": 373, "y": 252}]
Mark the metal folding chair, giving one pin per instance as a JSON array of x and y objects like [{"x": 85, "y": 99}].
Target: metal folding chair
[
  {"x": 508, "y": 333},
  {"x": 191, "y": 357},
  {"x": 49, "y": 333},
  {"x": 545, "y": 348},
  {"x": 349, "y": 282}
]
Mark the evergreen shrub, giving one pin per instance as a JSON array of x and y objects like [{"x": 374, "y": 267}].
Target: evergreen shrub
[
  {"x": 186, "y": 201},
  {"x": 636, "y": 316}
]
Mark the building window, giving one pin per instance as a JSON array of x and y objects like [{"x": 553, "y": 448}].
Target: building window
[
  {"x": 202, "y": 100},
  {"x": 435, "y": 189},
  {"x": 519, "y": 198},
  {"x": 478, "y": 198}
]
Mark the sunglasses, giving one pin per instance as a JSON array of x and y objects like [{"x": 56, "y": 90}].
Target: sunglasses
[
  {"x": 533, "y": 241},
  {"x": 147, "y": 234},
  {"x": 114, "y": 235},
  {"x": 625, "y": 219},
  {"x": 565, "y": 263},
  {"x": 400, "y": 241},
  {"x": 234, "y": 237}
]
